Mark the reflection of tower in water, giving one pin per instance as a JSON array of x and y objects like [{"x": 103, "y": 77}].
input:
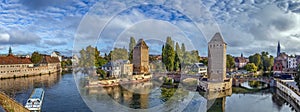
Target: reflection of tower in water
[
  {"x": 218, "y": 105},
  {"x": 133, "y": 96},
  {"x": 216, "y": 100}
]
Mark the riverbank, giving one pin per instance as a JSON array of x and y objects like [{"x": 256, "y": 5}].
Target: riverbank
[
  {"x": 28, "y": 75},
  {"x": 10, "y": 105},
  {"x": 120, "y": 81}
]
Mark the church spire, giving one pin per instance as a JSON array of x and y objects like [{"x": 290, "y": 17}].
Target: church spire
[
  {"x": 278, "y": 49},
  {"x": 242, "y": 55},
  {"x": 9, "y": 51}
]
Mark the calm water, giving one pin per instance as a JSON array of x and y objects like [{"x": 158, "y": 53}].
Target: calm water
[{"x": 61, "y": 95}]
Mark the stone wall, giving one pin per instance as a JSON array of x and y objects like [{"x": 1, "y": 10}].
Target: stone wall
[
  {"x": 11, "y": 105},
  {"x": 15, "y": 72},
  {"x": 215, "y": 86}
]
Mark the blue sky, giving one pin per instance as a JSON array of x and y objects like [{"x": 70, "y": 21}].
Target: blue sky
[{"x": 248, "y": 26}]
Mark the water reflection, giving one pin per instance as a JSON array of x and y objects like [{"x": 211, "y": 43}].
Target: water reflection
[
  {"x": 157, "y": 98},
  {"x": 20, "y": 85},
  {"x": 61, "y": 94},
  {"x": 254, "y": 85}
]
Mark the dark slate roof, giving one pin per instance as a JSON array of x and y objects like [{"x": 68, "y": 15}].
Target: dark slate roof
[
  {"x": 218, "y": 37},
  {"x": 141, "y": 43}
]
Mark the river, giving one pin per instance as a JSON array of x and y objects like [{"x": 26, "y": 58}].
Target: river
[{"x": 62, "y": 95}]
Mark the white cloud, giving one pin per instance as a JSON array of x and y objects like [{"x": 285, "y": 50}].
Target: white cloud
[{"x": 4, "y": 37}]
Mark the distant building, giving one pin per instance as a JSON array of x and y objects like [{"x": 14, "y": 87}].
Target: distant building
[
  {"x": 56, "y": 54},
  {"x": 118, "y": 68},
  {"x": 240, "y": 62},
  {"x": 278, "y": 49},
  {"x": 75, "y": 60},
  {"x": 280, "y": 63},
  {"x": 141, "y": 58},
  {"x": 199, "y": 68},
  {"x": 284, "y": 64},
  {"x": 12, "y": 66},
  {"x": 52, "y": 63},
  {"x": 292, "y": 62}
]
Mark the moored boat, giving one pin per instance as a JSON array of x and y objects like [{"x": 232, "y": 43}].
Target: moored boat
[{"x": 35, "y": 101}]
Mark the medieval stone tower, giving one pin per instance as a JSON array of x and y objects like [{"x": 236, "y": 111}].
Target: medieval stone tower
[
  {"x": 140, "y": 58},
  {"x": 217, "y": 59}
]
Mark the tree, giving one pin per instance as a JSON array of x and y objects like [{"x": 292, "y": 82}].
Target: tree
[
  {"x": 36, "y": 57},
  {"x": 267, "y": 61},
  {"x": 176, "y": 63},
  {"x": 251, "y": 67},
  {"x": 87, "y": 57},
  {"x": 119, "y": 53},
  {"x": 132, "y": 44},
  {"x": 256, "y": 59},
  {"x": 169, "y": 54},
  {"x": 230, "y": 62},
  {"x": 90, "y": 57},
  {"x": 182, "y": 48},
  {"x": 204, "y": 61}
]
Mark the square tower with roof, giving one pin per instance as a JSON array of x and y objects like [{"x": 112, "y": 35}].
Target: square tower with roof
[
  {"x": 217, "y": 59},
  {"x": 141, "y": 58}
]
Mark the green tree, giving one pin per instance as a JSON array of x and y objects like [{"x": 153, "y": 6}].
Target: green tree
[
  {"x": 182, "y": 48},
  {"x": 131, "y": 47},
  {"x": 177, "y": 63},
  {"x": 119, "y": 53},
  {"x": 267, "y": 61},
  {"x": 256, "y": 59},
  {"x": 36, "y": 57},
  {"x": 204, "y": 61},
  {"x": 169, "y": 54},
  {"x": 90, "y": 57},
  {"x": 230, "y": 62},
  {"x": 251, "y": 67}
]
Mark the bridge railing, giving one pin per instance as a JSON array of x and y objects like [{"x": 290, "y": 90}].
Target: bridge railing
[{"x": 291, "y": 87}]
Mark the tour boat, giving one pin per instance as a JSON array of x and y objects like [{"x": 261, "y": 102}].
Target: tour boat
[{"x": 34, "y": 103}]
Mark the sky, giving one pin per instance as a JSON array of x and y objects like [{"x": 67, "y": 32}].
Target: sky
[{"x": 67, "y": 26}]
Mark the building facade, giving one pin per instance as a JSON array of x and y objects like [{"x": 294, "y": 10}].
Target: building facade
[
  {"x": 199, "y": 68},
  {"x": 141, "y": 58},
  {"x": 118, "y": 68},
  {"x": 240, "y": 62},
  {"x": 56, "y": 54},
  {"x": 292, "y": 62},
  {"x": 217, "y": 59},
  {"x": 12, "y": 67}
]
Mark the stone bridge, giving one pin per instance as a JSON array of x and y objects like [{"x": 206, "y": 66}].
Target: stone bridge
[
  {"x": 177, "y": 77},
  {"x": 237, "y": 81}
]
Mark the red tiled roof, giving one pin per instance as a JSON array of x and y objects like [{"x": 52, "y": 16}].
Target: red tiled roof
[
  {"x": 10, "y": 59},
  {"x": 49, "y": 59},
  {"x": 240, "y": 60}
]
